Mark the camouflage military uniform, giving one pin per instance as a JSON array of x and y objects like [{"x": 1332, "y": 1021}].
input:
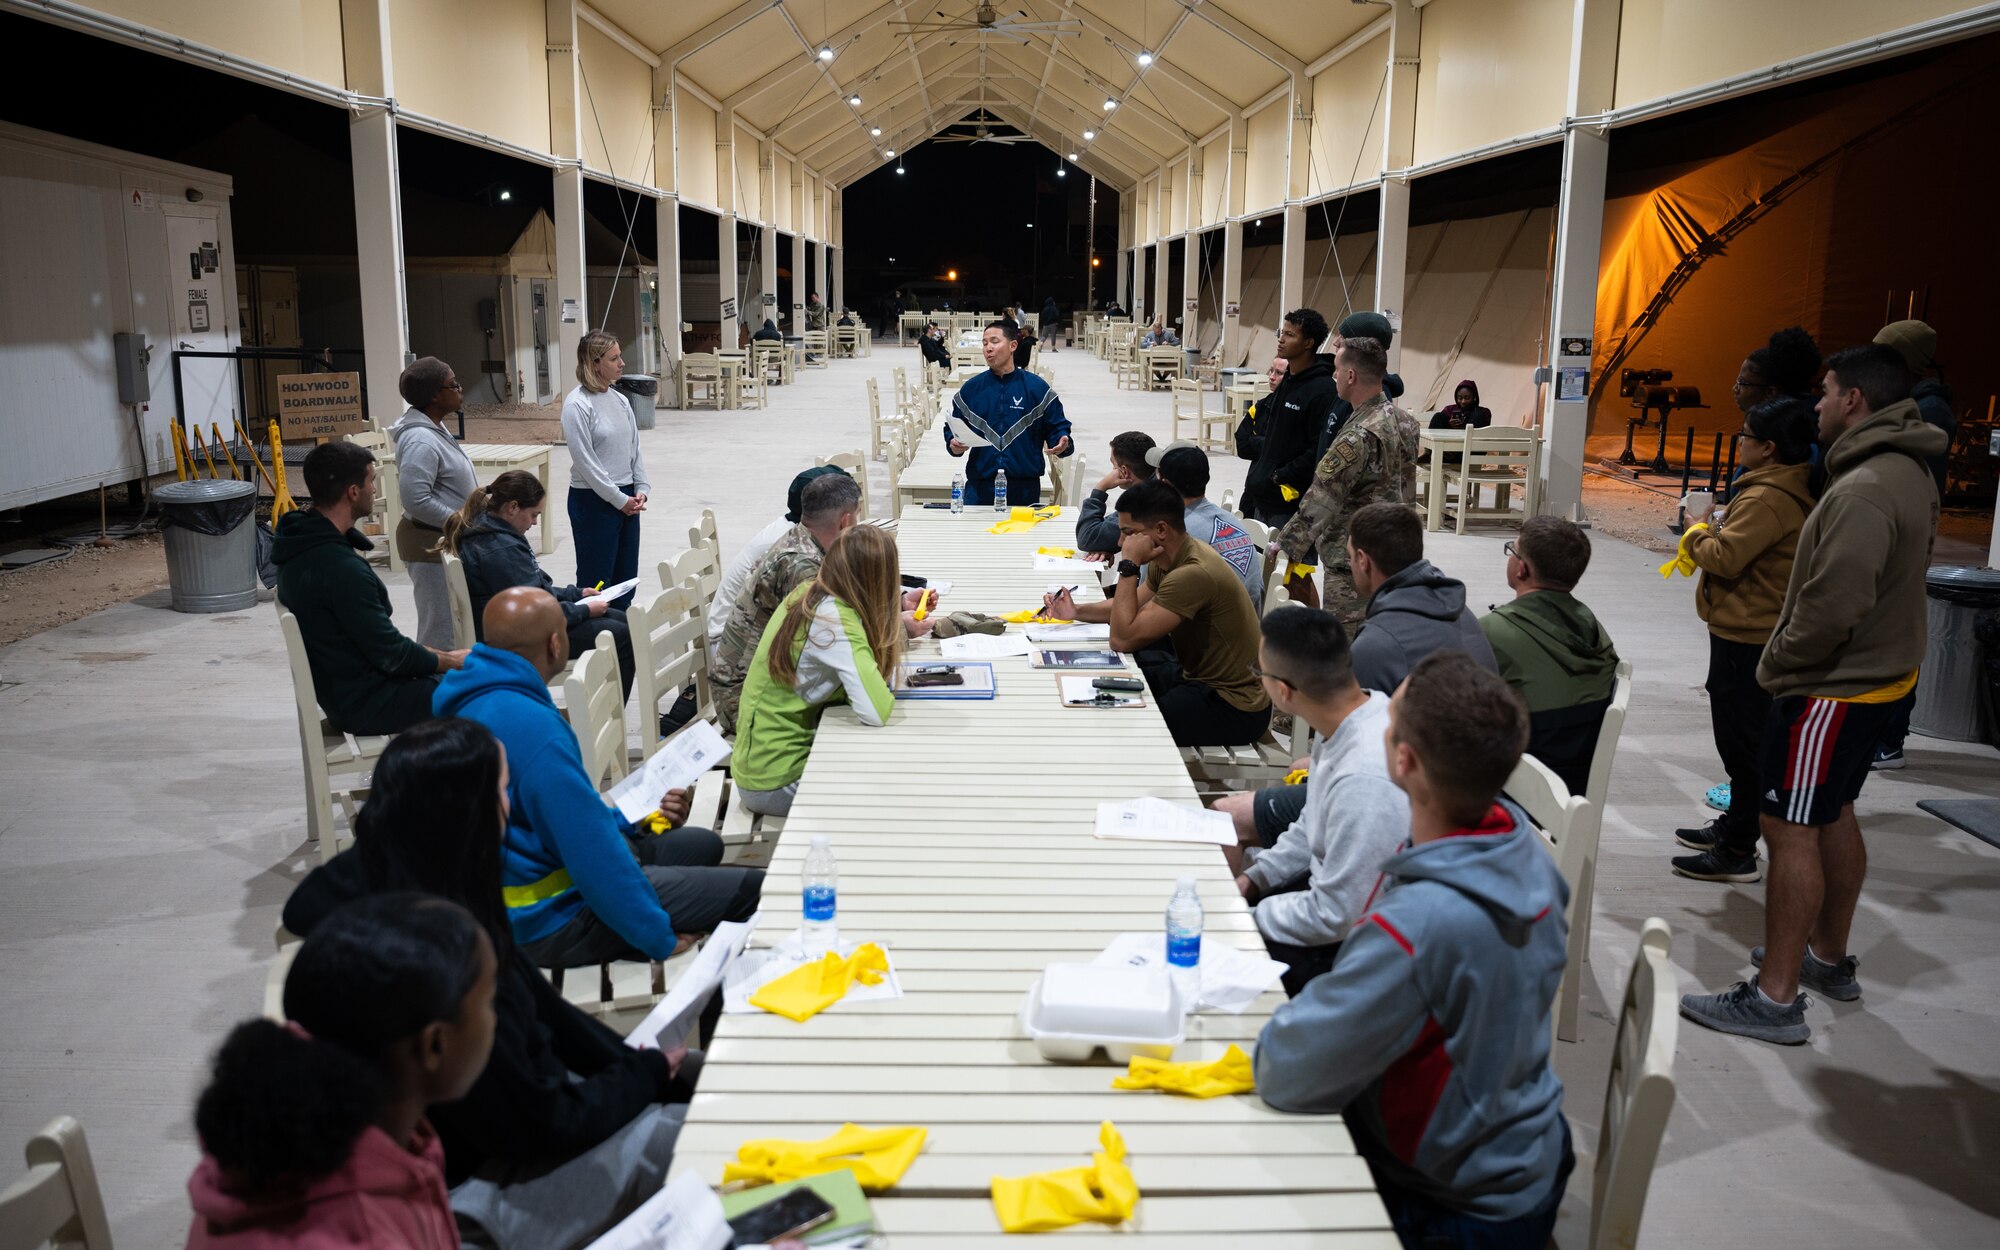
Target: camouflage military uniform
[
  {"x": 1372, "y": 459},
  {"x": 793, "y": 560}
]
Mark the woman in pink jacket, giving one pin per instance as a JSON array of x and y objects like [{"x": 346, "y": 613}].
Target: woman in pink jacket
[{"x": 313, "y": 1132}]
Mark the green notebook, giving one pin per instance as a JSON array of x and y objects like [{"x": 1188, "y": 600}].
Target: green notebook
[{"x": 851, "y": 1213}]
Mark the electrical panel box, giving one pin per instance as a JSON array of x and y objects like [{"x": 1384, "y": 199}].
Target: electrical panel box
[{"x": 132, "y": 355}]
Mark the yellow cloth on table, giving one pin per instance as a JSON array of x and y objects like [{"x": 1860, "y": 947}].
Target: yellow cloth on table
[
  {"x": 1022, "y": 519},
  {"x": 1028, "y": 616},
  {"x": 1064, "y": 552},
  {"x": 1683, "y": 563},
  {"x": 878, "y": 1157},
  {"x": 1046, "y": 1201},
  {"x": 1230, "y": 1074},
  {"x": 805, "y": 992}
]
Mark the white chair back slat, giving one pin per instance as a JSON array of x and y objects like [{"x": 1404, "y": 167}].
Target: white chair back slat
[
  {"x": 595, "y": 706},
  {"x": 56, "y": 1202}
]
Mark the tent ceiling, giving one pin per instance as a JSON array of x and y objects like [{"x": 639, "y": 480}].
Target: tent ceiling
[{"x": 1211, "y": 57}]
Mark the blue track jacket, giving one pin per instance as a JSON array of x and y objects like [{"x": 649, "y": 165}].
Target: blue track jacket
[{"x": 1020, "y": 415}]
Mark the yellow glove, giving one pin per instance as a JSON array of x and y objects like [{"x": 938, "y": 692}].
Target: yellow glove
[
  {"x": 658, "y": 823},
  {"x": 805, "y": 992},
  {"x": 1682, "y": 561},
  {"x": 1028, "y": 616},
  {"x": 1046, "y": 1201},
  {"x": 1303, "y": 570},
  {"x": 878, "y": 1157},
  {"x": 1230, "y": 1074},
  {"x": 1022, "y": 519},
  {"x": 1064, "y": 552},
  {"x": 1297, "y": 776},
  {"x": 1287, "y": 493}
]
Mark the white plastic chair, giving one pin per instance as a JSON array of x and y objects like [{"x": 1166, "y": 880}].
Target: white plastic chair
[
  {"x": 338, "y": 766},
  {"x": 1569, "y": 833},
  {"x": 703, "y": 533},
  {"x": 701, "y": 563},
  {"x": 856, "y": 465},
  {"x": 1638, "y": 1099},
  {"x": 669, "y": 631},
  {"x": 880, "y": 432},
  {"x": 702, "y": 371},
  {"x": 57, "y": 1201},
  {"x": 596, "y": 709},
  {"x": 459, "y": 595},
  {"x": 1502, "y": 457},
  {"x": 1586, "y": 831}
]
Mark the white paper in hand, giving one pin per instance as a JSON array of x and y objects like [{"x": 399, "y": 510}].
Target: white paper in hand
[
  {"x": 686, "y": 1215},
  {"x": 675, "y": 766},
  {"x": 963, "y": 433},
  {"x": 1230, "y": 979},
  {"x": 609, "y": 593},
  {"x": 669, "y": 1024}
]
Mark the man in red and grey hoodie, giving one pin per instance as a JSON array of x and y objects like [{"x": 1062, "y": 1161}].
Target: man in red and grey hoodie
[{"x": 1431, "y": 1033}]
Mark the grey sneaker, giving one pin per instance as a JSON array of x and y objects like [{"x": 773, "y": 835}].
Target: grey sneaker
[
  {"x": 1836, "y": 981},
  {"x": 1740, "y": 1009}
]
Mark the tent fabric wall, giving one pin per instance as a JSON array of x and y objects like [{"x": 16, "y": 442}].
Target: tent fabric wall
[
  {"x": 1893, "y": 209},
  {"x": 480, "y": 64},
  {"x": 694, "y": 141},
  {"x": 616, "y": 106},
  {"x": 1491, "y": 71}
]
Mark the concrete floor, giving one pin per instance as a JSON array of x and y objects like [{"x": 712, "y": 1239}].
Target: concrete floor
[{"x": 150, "y": 827}]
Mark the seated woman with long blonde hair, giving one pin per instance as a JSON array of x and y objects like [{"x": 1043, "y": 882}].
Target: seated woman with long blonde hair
[{"x": 834, "y": 639}]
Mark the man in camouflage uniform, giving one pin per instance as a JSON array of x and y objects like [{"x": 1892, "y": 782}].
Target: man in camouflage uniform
[
  {"x": 1372, "y": 459},
  {"x": 827, "y": 505}
]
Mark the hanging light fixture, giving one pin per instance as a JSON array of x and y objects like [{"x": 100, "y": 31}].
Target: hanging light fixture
[
  {"x": 875, "y": 132},
  {"x": 1109, "y": 104},
  {"x": 1088, "y": 135},
  {"x": 1072, "y": 156},
  {"x": 825, "y": 52},
  {"x": 1145, "y": 57},
  {"x": 855, "y": 100},
  {"x": 891, "y": 152}
]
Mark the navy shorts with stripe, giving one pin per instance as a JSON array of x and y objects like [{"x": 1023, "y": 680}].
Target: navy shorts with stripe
[{"x": 1816, "y": 754}]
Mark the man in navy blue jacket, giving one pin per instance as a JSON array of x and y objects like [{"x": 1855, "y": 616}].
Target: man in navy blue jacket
[{"x": 1017, "y": 413}]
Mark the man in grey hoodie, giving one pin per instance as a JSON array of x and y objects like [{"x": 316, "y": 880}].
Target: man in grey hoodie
[
  {"x": 1308, "y": 887},
  {"x": 1431, "y": 1033},
  {"x": 1412, "y": 609}
]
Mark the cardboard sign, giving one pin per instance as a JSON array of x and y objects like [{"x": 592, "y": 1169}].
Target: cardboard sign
[{"x": 320, "y": 405}]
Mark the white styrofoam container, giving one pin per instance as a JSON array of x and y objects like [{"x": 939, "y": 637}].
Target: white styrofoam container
[{"x": 1072, "y": 1009}]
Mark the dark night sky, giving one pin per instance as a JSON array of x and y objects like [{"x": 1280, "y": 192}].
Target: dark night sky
[{"x": 967, "y": 206}]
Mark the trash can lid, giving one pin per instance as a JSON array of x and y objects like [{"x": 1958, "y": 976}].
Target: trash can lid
[
  {"x": 204, "y": 492},
  {"x": 1966, "y": 584},
  {"x": 638, "y": 384}
]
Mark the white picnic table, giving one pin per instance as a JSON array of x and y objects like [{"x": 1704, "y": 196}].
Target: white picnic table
[
  {"x": 964, "y": 837},
  {"x": 489, "y": 460}
]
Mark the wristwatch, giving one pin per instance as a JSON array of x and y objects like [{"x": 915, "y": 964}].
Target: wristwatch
[{"x": 1127, "y": 569}]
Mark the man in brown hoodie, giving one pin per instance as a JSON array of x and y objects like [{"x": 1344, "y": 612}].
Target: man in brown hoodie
[{"x": 1847, "y": 645}]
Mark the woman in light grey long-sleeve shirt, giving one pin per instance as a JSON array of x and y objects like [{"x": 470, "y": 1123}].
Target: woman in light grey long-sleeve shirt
[
  {"x": 433, "y": 478},
  {"x": 607, "y": 475}
]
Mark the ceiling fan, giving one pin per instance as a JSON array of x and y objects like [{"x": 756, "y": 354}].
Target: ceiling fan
[
  {"x": 985, "y": 19},
  {"x": 982, "y": 132}
]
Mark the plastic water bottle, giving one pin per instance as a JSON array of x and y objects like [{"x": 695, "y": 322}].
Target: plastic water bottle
[
  {"x": 822, "y": 879},
  {"x": 1000, "y": 491},
  {"x": 957, "y": 493},
  {"x": 1184, "y": 941}
]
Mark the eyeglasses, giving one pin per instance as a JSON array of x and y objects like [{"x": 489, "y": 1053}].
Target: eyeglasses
[
  {"x": 1260, "y": 674},
  {"x": 454, "y": 385},
  {"x": 1507, "y": 548}
]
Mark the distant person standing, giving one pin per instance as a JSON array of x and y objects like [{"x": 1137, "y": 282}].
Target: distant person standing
[
  {"x": 433, "y": 478},
  {"x": 1051, "y": 321},
  {"x": 607, "y": 476},
  {"x": 1848, "y": 642}
]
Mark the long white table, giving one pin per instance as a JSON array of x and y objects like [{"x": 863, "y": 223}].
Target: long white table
[{"x": 963, "y": 832}]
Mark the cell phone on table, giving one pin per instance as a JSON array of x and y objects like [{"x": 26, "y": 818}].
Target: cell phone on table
[
  {"x": 1126, "y": 685},
  {"x": 936, "y": 675},
  {"x": 789, "y": 1214}
]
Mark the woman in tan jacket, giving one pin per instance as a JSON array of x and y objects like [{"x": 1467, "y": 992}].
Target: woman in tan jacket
[{"x": 1745, "y": 563}]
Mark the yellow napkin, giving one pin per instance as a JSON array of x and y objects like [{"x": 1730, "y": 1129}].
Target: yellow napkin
[
  {"x": 805, "y": 992},
  {"x": 1288, "y": 493},
  {"x": 1022, "y": 519},
  {"x": 1028, "y": 616},
  {"x": 1064, "y": 552},
  {"x": 1230, "y": 1074},
  {"x": 1296, "y": 776},
  {"x": 1303, "y": 570},
  {"x": 878, "y": 1157},
  {"x": 1046, "y": 1201},
  {"x": 1682, "y": 561}
]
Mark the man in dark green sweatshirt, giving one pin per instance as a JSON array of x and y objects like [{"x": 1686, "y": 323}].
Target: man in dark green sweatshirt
[
  {"x": 1552, "y": 649},
  {"x": 370, "y": 679}
]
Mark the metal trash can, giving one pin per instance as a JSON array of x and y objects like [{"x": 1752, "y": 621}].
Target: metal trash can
[
  {"x": 211, "y": 544},
  {"x": 643, "y": 390},
  {"x": 1951, "y": 701}
]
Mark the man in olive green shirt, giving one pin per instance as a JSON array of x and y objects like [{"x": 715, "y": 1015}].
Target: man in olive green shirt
[{"x": 1208, "y": 692}]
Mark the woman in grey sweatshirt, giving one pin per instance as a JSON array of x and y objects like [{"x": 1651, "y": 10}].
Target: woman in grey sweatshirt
[
  {"x": 433, "y": 477},
  {"x": 607, "y": 476}
]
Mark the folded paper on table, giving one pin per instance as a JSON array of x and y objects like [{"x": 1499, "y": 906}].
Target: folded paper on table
[
  {"x": 684, "y": 1215},
  {"x": 963, "y": 433},
  {"x": 1045, "y": 1201},
  {"x": 983, "y": 646},
  {"x": 1230, "y": 1074},
  {"x": 878, "y": 1157},
  {"x": 675, "y": 766},
  {"x": 1103, "y": 661},
  {"x": 755, "y": 968},
  {"x": 669, "y": 1024},
  {"x": 609, "y": 593},
  {"x": 1055, "y": 564},
  {"x": 1231, "y": 979},
  {"x": 1154, "y": 819},
  {"x": 1068, "y": 631}
]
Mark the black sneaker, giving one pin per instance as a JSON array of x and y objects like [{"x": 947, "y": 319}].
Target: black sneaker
[
  {"x": 1836, "y": 981},
  {"x": 1702, "y": 838},
  {"x": 1743, "y": 1010},
  {"x": 1719, "y": 863}
]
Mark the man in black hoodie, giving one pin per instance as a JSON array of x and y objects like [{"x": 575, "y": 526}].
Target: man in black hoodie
[
  {"x": 370, "y": 679},
  {"x": 1290, "y": 420}
]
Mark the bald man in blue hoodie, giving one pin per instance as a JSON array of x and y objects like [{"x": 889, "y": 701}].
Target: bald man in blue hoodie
[{"x": 1431, "y": 1033}]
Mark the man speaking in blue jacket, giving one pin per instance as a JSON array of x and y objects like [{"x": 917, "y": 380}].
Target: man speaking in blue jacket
[
  {"x": 581, "y": 887},
  {"x": 1431, "y": 1033},
  {"x": 1017, "y": 413}
]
